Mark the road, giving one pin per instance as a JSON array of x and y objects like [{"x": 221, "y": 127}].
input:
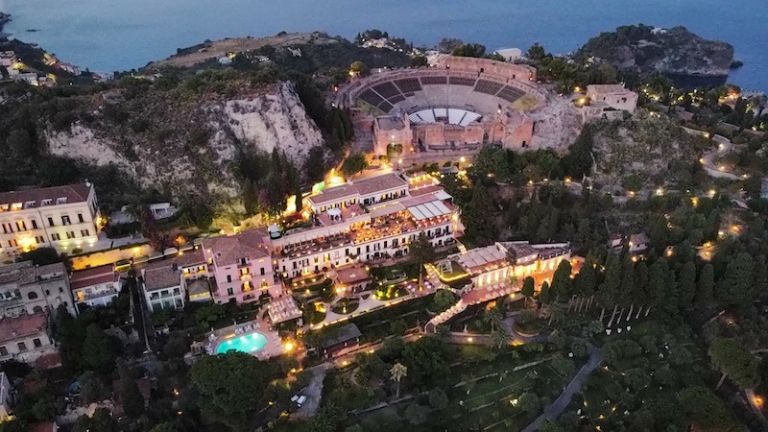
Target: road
[{"x": 557, "y": 407}]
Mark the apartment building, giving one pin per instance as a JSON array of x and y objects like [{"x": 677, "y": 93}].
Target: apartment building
[
  {"x": 241, "y": 266},
  {"x": 62, "y": 217},
  {"x": 96, "y": 286},
  {"x": 163, "y": 288},
  {"x": 25, "y": 338},
  {"x": 27, "y": 289}
]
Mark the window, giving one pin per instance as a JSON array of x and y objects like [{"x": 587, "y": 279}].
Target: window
[
  {"x": 37, "y": 309},
  {"x": 21, "y": 226},
  {"x": 84, "y": 233},
  {"x": 5, "y": 229},
  {"x": 50, "y": 221},
  {"x": 47, "y": 292},
  {"x": 22, "y": 347},
  {"x": 80, "y": 218},
  {"x": 12, "y": 243},
  {"x": 56, "y": 236},
  {"x": 34, "y": 224},
  {"x": 229, "y": 278},
  {"x": 3, "y": 351},
  {"x": 262, "y": 271},
  {"x": 32, "y": 295},
  {"x": 230, "y": 291},
  {"x": 36, "y": 342},
  {"x": 46, "y": 202},
  {"x": 70, "y": 234},
  {"x": 61, "y": 290},
  {"x": 65, "y": 220}
]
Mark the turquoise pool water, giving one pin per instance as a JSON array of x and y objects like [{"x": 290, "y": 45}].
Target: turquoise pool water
[{"x": 247, "y": 343}]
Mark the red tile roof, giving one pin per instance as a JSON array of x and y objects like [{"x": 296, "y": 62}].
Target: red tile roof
[
  {"x": 24, "y": 325},
  {"x": 93, "y": 276},
  {"x": 228, "y": 250},
  {"x": 73, "y": 193}
]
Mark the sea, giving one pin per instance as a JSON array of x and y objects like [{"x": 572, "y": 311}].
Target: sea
[{"x": 112, "y": 35}]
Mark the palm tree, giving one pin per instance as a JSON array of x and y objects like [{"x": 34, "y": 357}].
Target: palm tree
[{"x": 398, "y": 372}]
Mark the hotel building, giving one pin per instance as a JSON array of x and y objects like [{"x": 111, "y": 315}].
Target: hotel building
[
  {"x": 502, "y": 262},
  {"x": 371, "y": 218},
  {"x": 62, "y": 217}
]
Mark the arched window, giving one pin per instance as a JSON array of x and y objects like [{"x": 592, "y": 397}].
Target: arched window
[
  {"x": 37, "y": 309},
  {"x": 32, "y": 295}
]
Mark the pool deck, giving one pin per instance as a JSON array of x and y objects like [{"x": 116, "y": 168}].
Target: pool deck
[{"x": 273, "y": 347}]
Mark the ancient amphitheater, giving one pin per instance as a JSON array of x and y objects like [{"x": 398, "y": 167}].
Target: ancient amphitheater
[{"x": 453, "y": 107}]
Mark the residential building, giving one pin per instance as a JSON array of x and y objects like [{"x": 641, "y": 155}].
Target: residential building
[
  {"x": 29, "y": 289},
  {"x": 5, "y": 397},
  {"x": 62, "y": 217},
  {"x": 25, "y": 338},
  {"x": 161, "y": 211},
  {"x": 242, "y": 266},
  {"x": 96, "y": 286},
  {"x": 162, "y": 286},
  {"x": 607, "y": 101},
  {"x": 194, "y": 275}
]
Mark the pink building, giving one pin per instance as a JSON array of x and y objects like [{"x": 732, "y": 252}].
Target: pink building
[{"x": 241, "y": 266}]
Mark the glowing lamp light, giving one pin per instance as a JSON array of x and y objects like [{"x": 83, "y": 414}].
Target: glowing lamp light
[{"x": 289, "y": 346}]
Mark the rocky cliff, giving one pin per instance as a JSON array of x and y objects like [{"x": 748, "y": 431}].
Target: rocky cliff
[
  {"x": 674, "y": 51},
  {"x": 188, "y": 145}
]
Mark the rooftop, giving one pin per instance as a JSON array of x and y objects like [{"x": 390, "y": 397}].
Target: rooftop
[
  {"x": 474, "y": 260},
  {"x": 24, "y": 325},
  {"x": 41, "y": 197},
  {"x": 607, "y": 89},
  {"x": 352, "y": 274},
  {"x": 161, "y": 277},
  {"x": 341, "y": 335},
  {"x": 25, "y": 272},
  {"x": 228, "y": 250},
  {"x": 390, "y": 123},
  {"x": 93, "y": 276},
  {"x": 283, "y": 309},
  {"x": 362, "y": 187},
  {"x": 379, "y": 183}
]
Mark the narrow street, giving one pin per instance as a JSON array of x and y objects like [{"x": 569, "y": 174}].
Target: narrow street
[{"x": 140, "y": 315}]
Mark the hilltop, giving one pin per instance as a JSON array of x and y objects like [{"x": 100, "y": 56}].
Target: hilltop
[{"x": 646, "y": 49}]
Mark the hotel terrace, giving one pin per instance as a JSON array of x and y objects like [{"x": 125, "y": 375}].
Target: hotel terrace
[
  {"x": 371, "y": 218},
  {"x": 499, "y": 263}
]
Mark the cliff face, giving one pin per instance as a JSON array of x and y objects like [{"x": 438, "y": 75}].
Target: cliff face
[
  {"x": 189, "y": 147},
  {"x": 647, "y": 49}
]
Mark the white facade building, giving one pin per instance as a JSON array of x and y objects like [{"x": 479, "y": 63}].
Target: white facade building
[
  {"x": 97, "y": 286},
  {"x": 28, "y": 289},
  {"x": 62, "y": 217},
  {"x": 163, "y": 288}
]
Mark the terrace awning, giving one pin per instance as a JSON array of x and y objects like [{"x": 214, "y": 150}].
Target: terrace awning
[{"x": 429, "y": 210}]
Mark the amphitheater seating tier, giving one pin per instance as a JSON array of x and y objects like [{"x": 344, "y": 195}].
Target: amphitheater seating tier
[
  {"x": 407, "y": 85},
  {"x": 434, "y": 80},
  {"x": 461, "y": 81},
  {"x": 387, "y": 89},
  {"x": 488, "y": 87}
]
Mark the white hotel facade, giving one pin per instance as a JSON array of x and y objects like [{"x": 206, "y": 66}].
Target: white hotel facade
[{"x": 62, "y": 217}]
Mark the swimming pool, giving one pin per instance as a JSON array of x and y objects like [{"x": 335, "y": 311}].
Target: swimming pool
[{"x": 247, "y": 343}]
